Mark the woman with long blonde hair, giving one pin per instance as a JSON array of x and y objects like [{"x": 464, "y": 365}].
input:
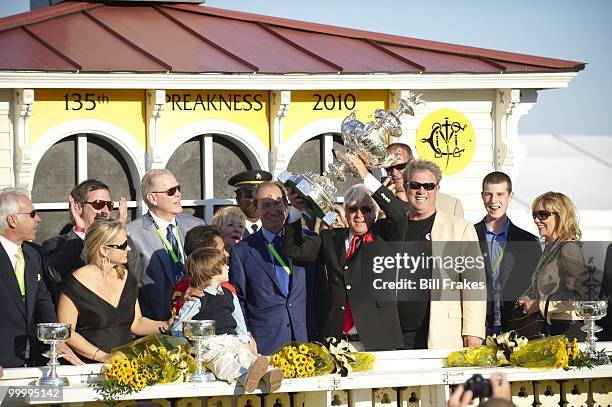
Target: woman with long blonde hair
[
  {"x": 560, "y": 276},
  {"x": 100, "y": 299}
]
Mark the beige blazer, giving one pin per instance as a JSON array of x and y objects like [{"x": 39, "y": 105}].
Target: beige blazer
[
  {"x": 456, "y": 316},
  {"x": 448, "y": 204}
]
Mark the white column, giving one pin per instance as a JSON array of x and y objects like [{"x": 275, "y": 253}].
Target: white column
[
  {"x": 7, "y": 177},
  {"x": 24, "y": 104},
  {"x": 156, "y": 103},
  {"x": 279, "y": 105},
  {"x": 207, "y": 177},
  {"x": 510, "y": 106}
]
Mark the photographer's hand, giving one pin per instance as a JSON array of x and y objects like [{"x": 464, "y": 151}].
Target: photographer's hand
[
  {"x": 460, "y": 397},
  {"x": 500, "y": 386}
]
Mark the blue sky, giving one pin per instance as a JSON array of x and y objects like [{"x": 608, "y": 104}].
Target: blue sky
[{"x": 565, "y": 29}]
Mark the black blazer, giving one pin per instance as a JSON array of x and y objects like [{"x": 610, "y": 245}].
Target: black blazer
[
  {"x": 376, "y": 319},
  {"x": 521, "y": 255},
  {"x": 18, "y": 318},
  {"x": 62, "y": 254}
]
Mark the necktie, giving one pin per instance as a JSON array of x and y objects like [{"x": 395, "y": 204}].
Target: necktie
[
  {"x": 20, "y": 271},
  {"x": 254, "y": 227},
  {"x": 281, "y": 273},
  {"x": 177, "y": 268},
  {"x": 349, "y": 322}
]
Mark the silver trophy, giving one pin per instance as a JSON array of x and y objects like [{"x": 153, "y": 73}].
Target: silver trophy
[
  {"x": 591, "y": 311},
  {"x": 197, "y": 332},
  {"x": 317, "y": 191},
  {"x": 53, "y": 334},
  {"x": 369, "y": 141}
]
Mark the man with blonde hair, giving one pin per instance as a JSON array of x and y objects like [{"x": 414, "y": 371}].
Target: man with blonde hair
[{"x": 157, "y": 257}]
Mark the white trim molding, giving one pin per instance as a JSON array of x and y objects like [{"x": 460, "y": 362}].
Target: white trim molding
[
  {"x": 279, "y": 107},
  {"x": 301, "y": 136},
  {"x": 54, "y": 80},
  {"x": 510, "y": 106},
  {"x": 133, "y": 153},
  {"x": 155, "y": 107},
  {"x": 22, "y": 156},
  {"x": 248, "y": 142}
]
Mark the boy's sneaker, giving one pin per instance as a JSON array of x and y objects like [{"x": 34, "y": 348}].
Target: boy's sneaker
[
  {"x": 272, "y": 379},
  {"x": 256, "y": 372}
]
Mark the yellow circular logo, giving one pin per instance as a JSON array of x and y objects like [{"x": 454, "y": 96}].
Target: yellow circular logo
[{"x": 446, "y": 137}]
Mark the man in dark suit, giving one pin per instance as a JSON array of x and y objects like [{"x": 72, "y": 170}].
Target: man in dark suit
[
  {"x": 273, "y": 291},
  {"x": 24, "y": 298},
  {"x": 244, "y": 184},
  {"x": 62, "y": 254},
  {"x": 349, "y": 306},
  {"x": 511, "y": 253},
  {"x": 157, "y": 258}
]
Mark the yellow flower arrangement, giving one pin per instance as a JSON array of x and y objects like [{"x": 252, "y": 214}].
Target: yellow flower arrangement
[
  {"x": 147, "y": 361},
  {"x": 552, "y": 352},
  {"x": 298, "y": 360}
]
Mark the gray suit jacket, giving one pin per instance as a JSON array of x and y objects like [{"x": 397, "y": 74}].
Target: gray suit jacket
[{"x": 151, "y": 264}]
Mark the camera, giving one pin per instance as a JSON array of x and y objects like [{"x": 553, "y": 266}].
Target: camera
[{"x": 480, "y": 386}]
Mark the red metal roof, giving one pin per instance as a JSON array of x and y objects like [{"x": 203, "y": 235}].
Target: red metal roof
[{"x": 98, "y": 37}]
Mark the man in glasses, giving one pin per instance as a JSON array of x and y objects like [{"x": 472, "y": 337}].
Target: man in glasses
[
  {"x": 157, "y": 258},
  {"x": 24, "y": 298},
  {"x": 244, "y": 184},
  {"x": 62, "y": 254},
  {"x": 455, "y": 314},
  {"x": 445, "y": 203},
  {"x": 511, "y": 252}
]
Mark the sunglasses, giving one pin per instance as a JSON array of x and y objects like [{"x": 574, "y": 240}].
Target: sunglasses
[
  {"x": 121, "y": 246},
  {"x": 99, "y": 204},
  {"x": 170, "y": 191},
  {"x": 428, "y": 186},
  {"x": 399, "y": 167},
  {"x": 542, "y": 215},
  {"x": 363, "y": 209},
  {"x": 32, "y": 213}
]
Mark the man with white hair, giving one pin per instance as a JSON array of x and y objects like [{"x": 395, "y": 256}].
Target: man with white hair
[
  {"x": 24, "y": 298},
  {"x": 157, "y": 257}
]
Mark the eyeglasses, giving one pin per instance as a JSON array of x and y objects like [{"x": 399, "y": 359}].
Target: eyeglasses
[
  {"x": 542, "y": 215},
  {"x": 399, "y": 167},
  {"x": 428, "y": 186},
  {"x": 99, "y": 204},
  {"x": 170, "y": 191},
  {"x": 363, "y": 209},
  {"x": 121, "y": 246},
  {"x": 32, "y": 213}
]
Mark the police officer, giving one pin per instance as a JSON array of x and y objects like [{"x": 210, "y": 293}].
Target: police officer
[{"x": 244, "y": 184}]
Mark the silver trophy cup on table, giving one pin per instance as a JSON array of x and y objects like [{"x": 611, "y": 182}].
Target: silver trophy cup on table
[
  {"x": 317, "y": 191},
  {"x": 591, "y": 311},
  {"x": 369, "y": 141},
  {"x": 53, "y": 334},
  {"x": 197, "y": 332}
]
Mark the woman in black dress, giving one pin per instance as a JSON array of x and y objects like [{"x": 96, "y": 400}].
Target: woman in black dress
[{"x": 100, "y": 299}]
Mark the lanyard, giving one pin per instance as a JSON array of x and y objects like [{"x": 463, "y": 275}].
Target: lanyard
[
  {"x": 534, "y": 277},
  {"x": 499, "y": 257},
  {"x": 279, "y": 259},
  {"x": 175, "y": 256}
]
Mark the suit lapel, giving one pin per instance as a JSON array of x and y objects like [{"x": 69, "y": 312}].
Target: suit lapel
[
  {"x": 7, "y": 274},
  {"x": 339, "y": 237},
  {"x": 158, "y": 249},
  {"x": 262, "y": 256},
  {"x": 31, "y": 284}
]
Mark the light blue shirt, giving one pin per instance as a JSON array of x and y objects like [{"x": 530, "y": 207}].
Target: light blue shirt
[{"x": 495, "y": 244}]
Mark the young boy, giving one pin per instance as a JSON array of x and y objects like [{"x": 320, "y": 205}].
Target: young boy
[{"x": 228, "y": 354}]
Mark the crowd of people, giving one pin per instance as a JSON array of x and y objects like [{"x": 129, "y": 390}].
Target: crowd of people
[{"x": 268, "y": 273}]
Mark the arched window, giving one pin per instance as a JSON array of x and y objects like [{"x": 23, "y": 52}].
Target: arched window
[
  {"x": 70, "y": 161},
  {"x": 316, "y": 154},
  {"x": 203, "y": 165}
]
